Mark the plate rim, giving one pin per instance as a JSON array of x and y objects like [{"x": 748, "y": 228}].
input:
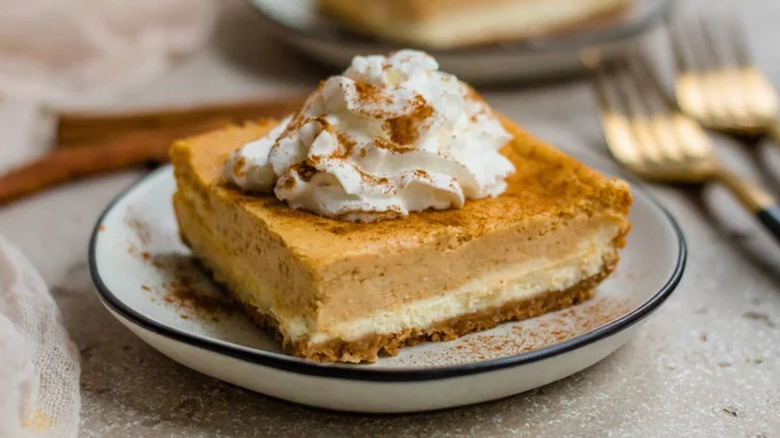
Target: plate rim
[
  {"x": 351, "y": 372},
  {"x": 529, "y": 46}
]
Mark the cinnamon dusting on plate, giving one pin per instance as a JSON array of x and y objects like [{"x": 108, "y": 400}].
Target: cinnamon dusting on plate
[
  {"x": 183, "y": 284},
  {"x": 531, "y": 334},
  {"x": 546, "y": 330},
  {"x": 190, "y": 301},
  {"x": 141, "y": 229}
]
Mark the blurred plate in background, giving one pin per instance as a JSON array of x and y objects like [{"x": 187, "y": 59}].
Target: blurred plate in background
[{"x": 298, "y": 23}]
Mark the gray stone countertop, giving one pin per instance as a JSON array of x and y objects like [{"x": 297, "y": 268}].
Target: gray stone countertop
[{"x": 706, "y": 364}]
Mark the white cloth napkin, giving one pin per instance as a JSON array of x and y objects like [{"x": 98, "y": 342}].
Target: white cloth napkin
[
  {"x": 39, "y": 365},
  {"x": 61, "y": 51},
  {"x": 64, "y": 52}
]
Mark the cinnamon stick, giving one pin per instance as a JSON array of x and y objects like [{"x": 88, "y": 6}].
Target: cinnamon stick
[
  {"x": 100, "y": 143},
  {"x": 80, "y": 128},
  {"x": 121, "y": 152}
]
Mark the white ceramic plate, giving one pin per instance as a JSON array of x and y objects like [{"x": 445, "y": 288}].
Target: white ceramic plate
[
  {"x": 298, "y": 23},
  {"x": 147, "y": 278}
]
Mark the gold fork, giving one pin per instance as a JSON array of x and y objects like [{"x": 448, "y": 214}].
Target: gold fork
[
  {"x": 647, "y": 133},
  {"x": 717, "y": 83}
]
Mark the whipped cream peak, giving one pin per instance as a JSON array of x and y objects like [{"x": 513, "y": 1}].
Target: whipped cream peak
[{"x": 389, "y": 136}]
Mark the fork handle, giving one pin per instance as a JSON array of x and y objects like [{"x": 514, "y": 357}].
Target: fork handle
[
  {"x": 753, "y": 198},
  {"x": 770, "y": 217},
  {"x": 774, "y": 131}
]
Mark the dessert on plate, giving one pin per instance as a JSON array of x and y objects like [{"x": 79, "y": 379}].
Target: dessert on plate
[
  {"x": 394, "y": 207},
  {"x": 451, "y": 23}
]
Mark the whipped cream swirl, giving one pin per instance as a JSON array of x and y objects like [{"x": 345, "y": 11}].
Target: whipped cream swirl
[{"x": 389, "y": 136}]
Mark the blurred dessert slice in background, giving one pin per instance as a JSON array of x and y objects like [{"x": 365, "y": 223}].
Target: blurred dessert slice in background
[{"x": 452, "y": 23}]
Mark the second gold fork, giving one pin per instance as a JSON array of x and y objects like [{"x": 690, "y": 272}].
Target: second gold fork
[
  {"x": 717, "y": 83},
  {"x": 647, "y": 133}
]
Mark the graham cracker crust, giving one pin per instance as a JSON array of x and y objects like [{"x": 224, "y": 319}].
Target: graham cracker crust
[{"x": 368, "y": 348}]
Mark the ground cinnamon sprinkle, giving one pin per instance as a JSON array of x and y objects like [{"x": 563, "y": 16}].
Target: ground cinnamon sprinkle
[
  {"x": 189, "y": 290},
  {"x": 304, "y": 170},
  {"x": 184, "y": 285},
  {"x": 371, "y": 178},
  {"x": 141, "y": 229},
  {"x": 381, "y": 143},
  {"x": 367, "y": 92},
  {"x": 347, "y": 144},
  {"x": 528, "y": 335},
  {"x": 288, "y": 182},
  {"x": 419, "y": 173},
  {"x": 324, "y": 124},
  {"x": 185, "y": 297},
  {"x": 404, "y": 130},
  {"x": 239, "y": 169},
  {"x": 552, "y": 329}
]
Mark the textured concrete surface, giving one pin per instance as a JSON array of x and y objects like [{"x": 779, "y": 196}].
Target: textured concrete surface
[{"x": 706, "y": 364}]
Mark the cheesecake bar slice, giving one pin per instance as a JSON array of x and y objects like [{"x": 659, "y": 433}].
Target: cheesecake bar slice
[
  {"x": 344, "y": 291},
  {"x": 451, "y": 23}
]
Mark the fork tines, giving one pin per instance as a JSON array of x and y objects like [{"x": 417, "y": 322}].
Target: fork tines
[
  {"x": 642, "y": 124},
  {"x": 717, "y": 83}
]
